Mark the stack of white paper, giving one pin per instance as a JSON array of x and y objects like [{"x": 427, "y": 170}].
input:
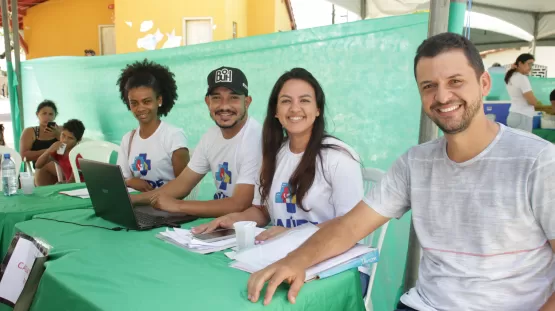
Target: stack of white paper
[
  {"x": 84, "y": 193},
  {"x": 185, "y": 239},
  {"x": 263, "y": 255}
]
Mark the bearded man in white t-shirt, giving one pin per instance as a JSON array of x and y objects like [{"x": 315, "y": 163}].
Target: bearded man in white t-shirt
[
  {"x": 231, "y": 151},
  {"x": 481, "y": 199}
]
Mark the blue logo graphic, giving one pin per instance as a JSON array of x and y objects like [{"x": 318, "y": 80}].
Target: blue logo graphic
[
  {"x": 141, "y": 164},
  {"x": 284, "y": 196},
  {"x": 223, "y": 175},
  {"x": 220, "y": 195},
  {"x": 291, "y": 222},
  {"x": 155, "y": 184}
]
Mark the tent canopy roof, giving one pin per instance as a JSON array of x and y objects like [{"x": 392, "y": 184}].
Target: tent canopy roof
[{"x": 537, "y": 17}]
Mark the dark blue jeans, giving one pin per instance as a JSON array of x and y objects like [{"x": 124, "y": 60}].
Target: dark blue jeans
[
  {"x": 364, "y": 280},
  {"x": 402, "y": 307}
]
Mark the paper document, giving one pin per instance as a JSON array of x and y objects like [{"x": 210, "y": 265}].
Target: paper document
[
  {"x": 263, "y": 255},
  {"x": 314, "y": 271},
  {"x": 84, "y": 193},
  {"x": 185, "y": 239}
]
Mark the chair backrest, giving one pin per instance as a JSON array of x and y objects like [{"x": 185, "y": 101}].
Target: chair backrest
[
  {"x": 95, "y": 150},
  {"x": 14, "y": 155},
  {"x": 371, "y": 176}
]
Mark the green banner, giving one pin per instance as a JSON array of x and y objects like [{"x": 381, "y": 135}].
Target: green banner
[{"x": 365, "y": 68}]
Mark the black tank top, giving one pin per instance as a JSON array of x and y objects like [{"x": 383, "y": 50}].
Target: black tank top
[{"x": 41, "y": 144}]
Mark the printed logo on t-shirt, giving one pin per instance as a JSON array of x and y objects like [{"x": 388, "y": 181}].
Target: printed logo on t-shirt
[
  {"x": 223, "y": 175},
  {"x": 284, "y": 196},
  {"x": 141, "y": 164}
]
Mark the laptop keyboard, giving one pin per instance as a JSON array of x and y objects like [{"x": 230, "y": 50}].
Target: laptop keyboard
[{"x": 148, "y": 220}]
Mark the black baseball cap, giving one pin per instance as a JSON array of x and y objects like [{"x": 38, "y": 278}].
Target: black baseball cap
[{"x": 231, "y": 78}]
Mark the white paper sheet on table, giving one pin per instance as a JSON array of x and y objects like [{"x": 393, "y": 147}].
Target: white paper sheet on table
[
  {"x": 185, "y": 239},
  {"x": 84, "y": 193},
  {"x": 263, "y": 255}
]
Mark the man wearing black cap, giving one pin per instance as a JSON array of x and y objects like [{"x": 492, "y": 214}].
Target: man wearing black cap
[{"x": 231, "y": 151}]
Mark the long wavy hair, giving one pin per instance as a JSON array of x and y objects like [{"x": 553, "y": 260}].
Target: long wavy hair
[{"x": 274, "y": 135}]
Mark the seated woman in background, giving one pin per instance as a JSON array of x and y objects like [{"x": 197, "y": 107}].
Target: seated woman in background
[
  {"x": 523, "y": 101},
  {"x": 156, "y": 152},
  {"x": 306, "y": 174},
  {"x": 36, "y": 140},
  {"x": 72, "y": 132}
]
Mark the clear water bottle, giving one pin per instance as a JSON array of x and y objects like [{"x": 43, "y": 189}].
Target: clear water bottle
[{"x": 9, "y": 179}]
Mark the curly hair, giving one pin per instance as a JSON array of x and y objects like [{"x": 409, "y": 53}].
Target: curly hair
[{"x": 149, "y": 74}]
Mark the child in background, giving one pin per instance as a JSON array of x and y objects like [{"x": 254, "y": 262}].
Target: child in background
[{"x": 72, "y": 132}]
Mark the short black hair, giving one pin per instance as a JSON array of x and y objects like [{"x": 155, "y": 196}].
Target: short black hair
[
  {"x": 76, "y": 127},
  {"x": 552, "y": 96},
  {"x": 149, "y": 74},
  {"x": 48, "y": 103},
  {"x": 447, "y": 41}
]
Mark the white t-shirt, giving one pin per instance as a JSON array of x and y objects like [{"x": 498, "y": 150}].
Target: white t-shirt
[
  {"x": 335, "y": 191},
  {"x": 483, "y": 224},
  {"x": 232, "y": 161},
  {"x": 517, "y": 86},
  {"x": 151, "y": 159}
]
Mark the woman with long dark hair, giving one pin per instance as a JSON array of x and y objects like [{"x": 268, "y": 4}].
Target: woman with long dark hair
[
  {"x": 155, "y": 152},
  {"x": 523, "y": 101},
  {"x": 306, "y": 174}
]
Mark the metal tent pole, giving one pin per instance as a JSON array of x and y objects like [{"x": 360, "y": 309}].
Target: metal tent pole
[
  {"x": 6, "y": 27},
  {"x": 440, "y": 20},
  {"x": 17, "y": 69}
]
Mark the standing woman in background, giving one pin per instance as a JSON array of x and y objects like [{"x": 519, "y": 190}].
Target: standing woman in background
[
  {"x": 155, "y": 152},
  {"x": 523, "y": 101}
]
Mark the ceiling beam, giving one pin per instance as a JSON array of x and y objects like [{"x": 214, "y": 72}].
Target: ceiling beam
[{"x": 495, "y": 7}]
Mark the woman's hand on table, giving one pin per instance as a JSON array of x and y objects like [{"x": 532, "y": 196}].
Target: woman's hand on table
[
  {"x": 225, "y": 222},
  {"x": 269, "y": 233}
]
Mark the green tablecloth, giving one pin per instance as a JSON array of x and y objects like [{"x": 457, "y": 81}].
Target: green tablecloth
[
  {"x": 548, "y": 135},
  {"x": 98, "y": 269},
  {"x": 18, "y": 208}
]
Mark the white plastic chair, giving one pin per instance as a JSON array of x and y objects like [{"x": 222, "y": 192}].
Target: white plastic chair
[
  {"x": 100, "y": 151},
  {"x": 371, "y": 176},
  {"x": 14, "y": 155}
]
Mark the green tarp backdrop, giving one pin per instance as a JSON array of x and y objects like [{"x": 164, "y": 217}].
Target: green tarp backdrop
[
  {"x": 365, "y": 68},
  {"x": 541, "y": 87}
]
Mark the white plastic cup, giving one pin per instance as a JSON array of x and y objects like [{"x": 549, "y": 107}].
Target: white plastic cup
[
  {"x": 244, "y": 233},
  {"x": 62, "y": 149},
  {"x": 27, "y": 183}
]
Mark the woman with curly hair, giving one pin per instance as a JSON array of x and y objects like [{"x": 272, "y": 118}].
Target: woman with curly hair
[{"x": 155, "y": 152}]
